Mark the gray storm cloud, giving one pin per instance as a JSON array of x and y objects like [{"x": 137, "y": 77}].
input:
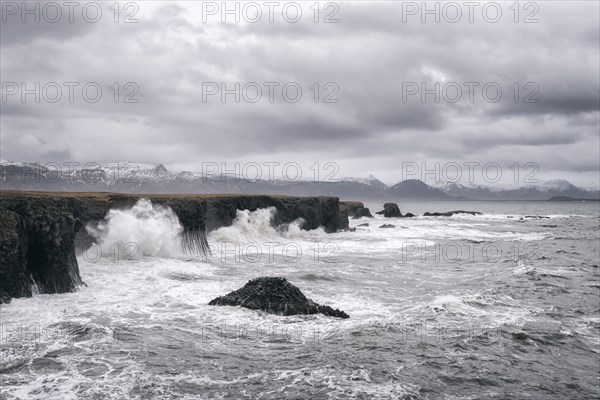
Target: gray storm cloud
[{"x": 159, "y": 111}]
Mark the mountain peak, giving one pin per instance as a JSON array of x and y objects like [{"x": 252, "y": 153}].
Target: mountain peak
[
  {"x": 160, "y": 169},
  {"x": 558, "y": 183},
  {"x": 413, "y": 183},
  {"x": 370, "y": 180},
  {"x": 417, "y": 189}
]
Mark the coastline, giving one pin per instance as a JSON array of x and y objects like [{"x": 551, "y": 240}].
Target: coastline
[{"x": 40, "y": 229}]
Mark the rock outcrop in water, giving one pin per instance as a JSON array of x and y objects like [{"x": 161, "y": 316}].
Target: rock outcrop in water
[
  {"x": 390, "y": 210},
  {"x": 450, "y": 213},
  {"x": 355, "y": 209},
  {"x": 362, "y": 212},
  {"x": 274, "y": 295},
  {"x": 38, "y": 230},
  {"x": 387, "y": 226}
]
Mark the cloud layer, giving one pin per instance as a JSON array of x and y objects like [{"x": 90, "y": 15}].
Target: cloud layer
[{"x": 367, "y": 62}]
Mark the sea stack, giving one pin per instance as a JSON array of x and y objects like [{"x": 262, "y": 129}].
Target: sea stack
[
  {"x": 275, "y": 295},
  {"x": 390, "y": 210}
]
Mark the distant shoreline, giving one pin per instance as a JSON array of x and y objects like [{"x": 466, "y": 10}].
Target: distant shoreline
[{"x": 210, "y": 195}]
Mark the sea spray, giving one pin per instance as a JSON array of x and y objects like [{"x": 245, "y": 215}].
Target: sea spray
[
  {"x": 142, "y": 230},
  {"x": 253, "y": 238},
  {"x": 256, "y": 226}
]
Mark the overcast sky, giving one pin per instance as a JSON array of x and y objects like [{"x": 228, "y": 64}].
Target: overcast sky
[{"x": 366, "y": 61}]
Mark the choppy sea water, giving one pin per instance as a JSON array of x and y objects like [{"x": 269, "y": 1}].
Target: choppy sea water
[{"x": 495, "y": 306}]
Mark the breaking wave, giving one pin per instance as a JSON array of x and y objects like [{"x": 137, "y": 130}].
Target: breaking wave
[
  {"x": 145, "y": 229},
  {"x": 256, "y": 226}
]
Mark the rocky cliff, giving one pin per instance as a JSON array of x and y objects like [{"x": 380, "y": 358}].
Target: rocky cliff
[{"x": 38, "y": 230}]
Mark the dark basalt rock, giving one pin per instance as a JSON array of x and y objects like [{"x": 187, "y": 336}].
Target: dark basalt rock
[
  {"x": 274, "y": 295},
  {"x": 409, "y": 215},
  {"x": 362, "y": 212},
  {"x": 390, "y": 210},
  {"x": 355, "y": 209},
  {"x": 450, "y": 213},
  {"x": 14, "y": 277},
  {"x": 37, "y": 246},
  {"x": 39, "y": 231},
  {"x": 315, "y": 211},
  {"x": 387, "y": 226},
  {"x": 365, "y": 224}
]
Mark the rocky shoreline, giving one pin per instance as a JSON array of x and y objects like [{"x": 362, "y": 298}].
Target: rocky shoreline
[{"x": 39, "y": 230}]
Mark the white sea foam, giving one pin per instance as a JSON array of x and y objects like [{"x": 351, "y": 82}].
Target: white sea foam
[
  {"x": 142, "y": 230},
  {"x": 248, "y": 226},
  {"x": 256, "y": 226},
  {"x": 164, "y": 300},
  {"x": 523, "y": 269},
  {"x": 437, "y": 228}
]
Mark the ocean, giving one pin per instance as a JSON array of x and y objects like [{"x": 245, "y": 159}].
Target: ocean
[{"x": 503, "y": 305}]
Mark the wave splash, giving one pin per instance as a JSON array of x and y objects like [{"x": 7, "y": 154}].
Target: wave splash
[
  {"x": 142, "y": 230},
  {"x": 255, "y": 226}
]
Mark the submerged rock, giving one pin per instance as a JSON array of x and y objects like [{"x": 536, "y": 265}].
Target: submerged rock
[
  {"x": 361, "y": 212},
  {"x": 390, "y": 210},
  {"x": 274, "y": 295},
  {"x": 450, "y": 213},
  {"x": 387, "y": 226}
]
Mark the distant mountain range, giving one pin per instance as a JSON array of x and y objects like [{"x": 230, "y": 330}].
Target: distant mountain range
[
  {"x": 149, "y": 178},
  {"x": 547, "y": 190}
]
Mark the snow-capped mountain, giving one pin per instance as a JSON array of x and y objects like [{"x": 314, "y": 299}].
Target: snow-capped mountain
[
  {"x": 560, "y": 185},
  {"x": 370, "y": 181},
  {"x": 131, "y": 170},
  {"x": 544, "y": 191},
  {"x": 130, "y": 177}
]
